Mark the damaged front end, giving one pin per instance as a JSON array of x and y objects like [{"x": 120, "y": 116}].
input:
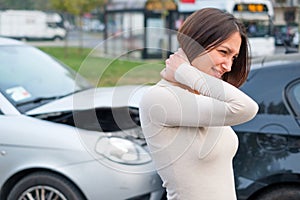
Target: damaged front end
[
  {"x": 111, "y": 112},
  {"x": 97, "y": 119},
  {"x": 123, "y": 141}
]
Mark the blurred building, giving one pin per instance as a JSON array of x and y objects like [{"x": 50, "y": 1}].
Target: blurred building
[
  {"x": 286, "y": 22},
  {"x": 140, "y": 25},
  {"x": 149, "y": 26},
  {"x": 286, "y": 11}
]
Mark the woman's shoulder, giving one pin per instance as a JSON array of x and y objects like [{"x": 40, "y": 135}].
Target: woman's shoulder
[
  {"x": 162, "y": 87},
  {"x": 162, "y": 91}
]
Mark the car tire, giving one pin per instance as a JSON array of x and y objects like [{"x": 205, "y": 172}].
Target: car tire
[
  {"x": 57, "y": 39},
  {"x": 41, "y": 185},
  {"x": 282, "y": 192}
]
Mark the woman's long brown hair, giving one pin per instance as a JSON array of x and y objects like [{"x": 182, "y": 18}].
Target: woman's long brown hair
[{"x": 206, "y": 29}]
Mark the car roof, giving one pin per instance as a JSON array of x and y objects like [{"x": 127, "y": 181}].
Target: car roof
[
  {"x": 8, "y": 41},
  {"x": 275, "y": 60}
]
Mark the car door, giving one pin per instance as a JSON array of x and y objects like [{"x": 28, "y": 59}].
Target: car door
[
  {"x": 265, "y": 154},
  {"x": 292, "y": 98}
]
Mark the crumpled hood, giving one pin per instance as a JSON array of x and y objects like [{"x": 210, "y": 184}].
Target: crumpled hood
[{"x": 107, "y": 97}]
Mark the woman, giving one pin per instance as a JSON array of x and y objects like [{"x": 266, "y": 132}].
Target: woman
[{"x": 186, "y": 117}]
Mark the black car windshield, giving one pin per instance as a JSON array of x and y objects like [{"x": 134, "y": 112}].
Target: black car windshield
[{"x": 28, "y": 74}]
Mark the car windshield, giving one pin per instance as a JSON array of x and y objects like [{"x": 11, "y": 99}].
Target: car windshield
[{"x": 29, "y": 77}]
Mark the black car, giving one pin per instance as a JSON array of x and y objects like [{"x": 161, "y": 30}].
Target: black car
[{"x": 267, "y": 164}]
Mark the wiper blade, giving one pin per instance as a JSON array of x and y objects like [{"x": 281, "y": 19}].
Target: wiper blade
[
  {"x": 47, "y": 99},
  {"x": 38, "y": 100}
]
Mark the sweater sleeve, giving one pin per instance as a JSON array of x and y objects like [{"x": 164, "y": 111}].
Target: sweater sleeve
[{"x": 219, "y": 103}]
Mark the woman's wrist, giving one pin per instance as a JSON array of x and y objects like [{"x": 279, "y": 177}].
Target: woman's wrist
[{"x": 186, "y": 75}]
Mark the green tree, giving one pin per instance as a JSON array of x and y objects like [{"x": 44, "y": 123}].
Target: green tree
[{"x": 77, "y": 8}]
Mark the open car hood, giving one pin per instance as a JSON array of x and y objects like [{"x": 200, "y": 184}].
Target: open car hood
[
  {"x": 104, "y": 97},
  {"x": 106, "y": 109}
]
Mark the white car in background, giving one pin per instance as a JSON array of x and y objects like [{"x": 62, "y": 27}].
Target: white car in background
[{"x": 62, "y": 139}]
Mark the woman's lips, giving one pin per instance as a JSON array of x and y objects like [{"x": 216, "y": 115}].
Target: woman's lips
[{"x": 217, "y": 73}]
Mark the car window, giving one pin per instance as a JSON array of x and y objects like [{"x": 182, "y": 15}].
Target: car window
[
  {"x": 266, "y": 86},
  {"x": 292, "y": 94},
  {"x": 27, "y": 73}
]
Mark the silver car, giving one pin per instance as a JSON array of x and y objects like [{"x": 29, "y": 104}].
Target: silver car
[{"x": 62, "y": 139}]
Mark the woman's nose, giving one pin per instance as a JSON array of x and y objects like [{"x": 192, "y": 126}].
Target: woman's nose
[{"x": 226, "y": 67}]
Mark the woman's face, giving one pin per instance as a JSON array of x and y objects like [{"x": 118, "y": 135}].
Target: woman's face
[{"x": 219, "y": 60}]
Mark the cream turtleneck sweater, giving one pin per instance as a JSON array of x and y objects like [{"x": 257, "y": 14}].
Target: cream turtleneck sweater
[{"x": 189, "y": 135}]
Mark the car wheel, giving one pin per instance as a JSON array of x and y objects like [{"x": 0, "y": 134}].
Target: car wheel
[
  {"x": 57, "y": 39},
  {"x": 282, "y": 192},
  {"x": 44, "y": 185}
]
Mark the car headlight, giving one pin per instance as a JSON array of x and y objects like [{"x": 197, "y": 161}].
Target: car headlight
[{"x": 122, "y": 150}]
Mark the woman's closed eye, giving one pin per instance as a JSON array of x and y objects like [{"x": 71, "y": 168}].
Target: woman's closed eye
[
  {"x": 223, "y": 52},
  {"x": 227, "y": 53}
]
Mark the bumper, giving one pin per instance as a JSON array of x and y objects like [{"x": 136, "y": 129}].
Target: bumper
[{"x": 111, "y": 181}]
